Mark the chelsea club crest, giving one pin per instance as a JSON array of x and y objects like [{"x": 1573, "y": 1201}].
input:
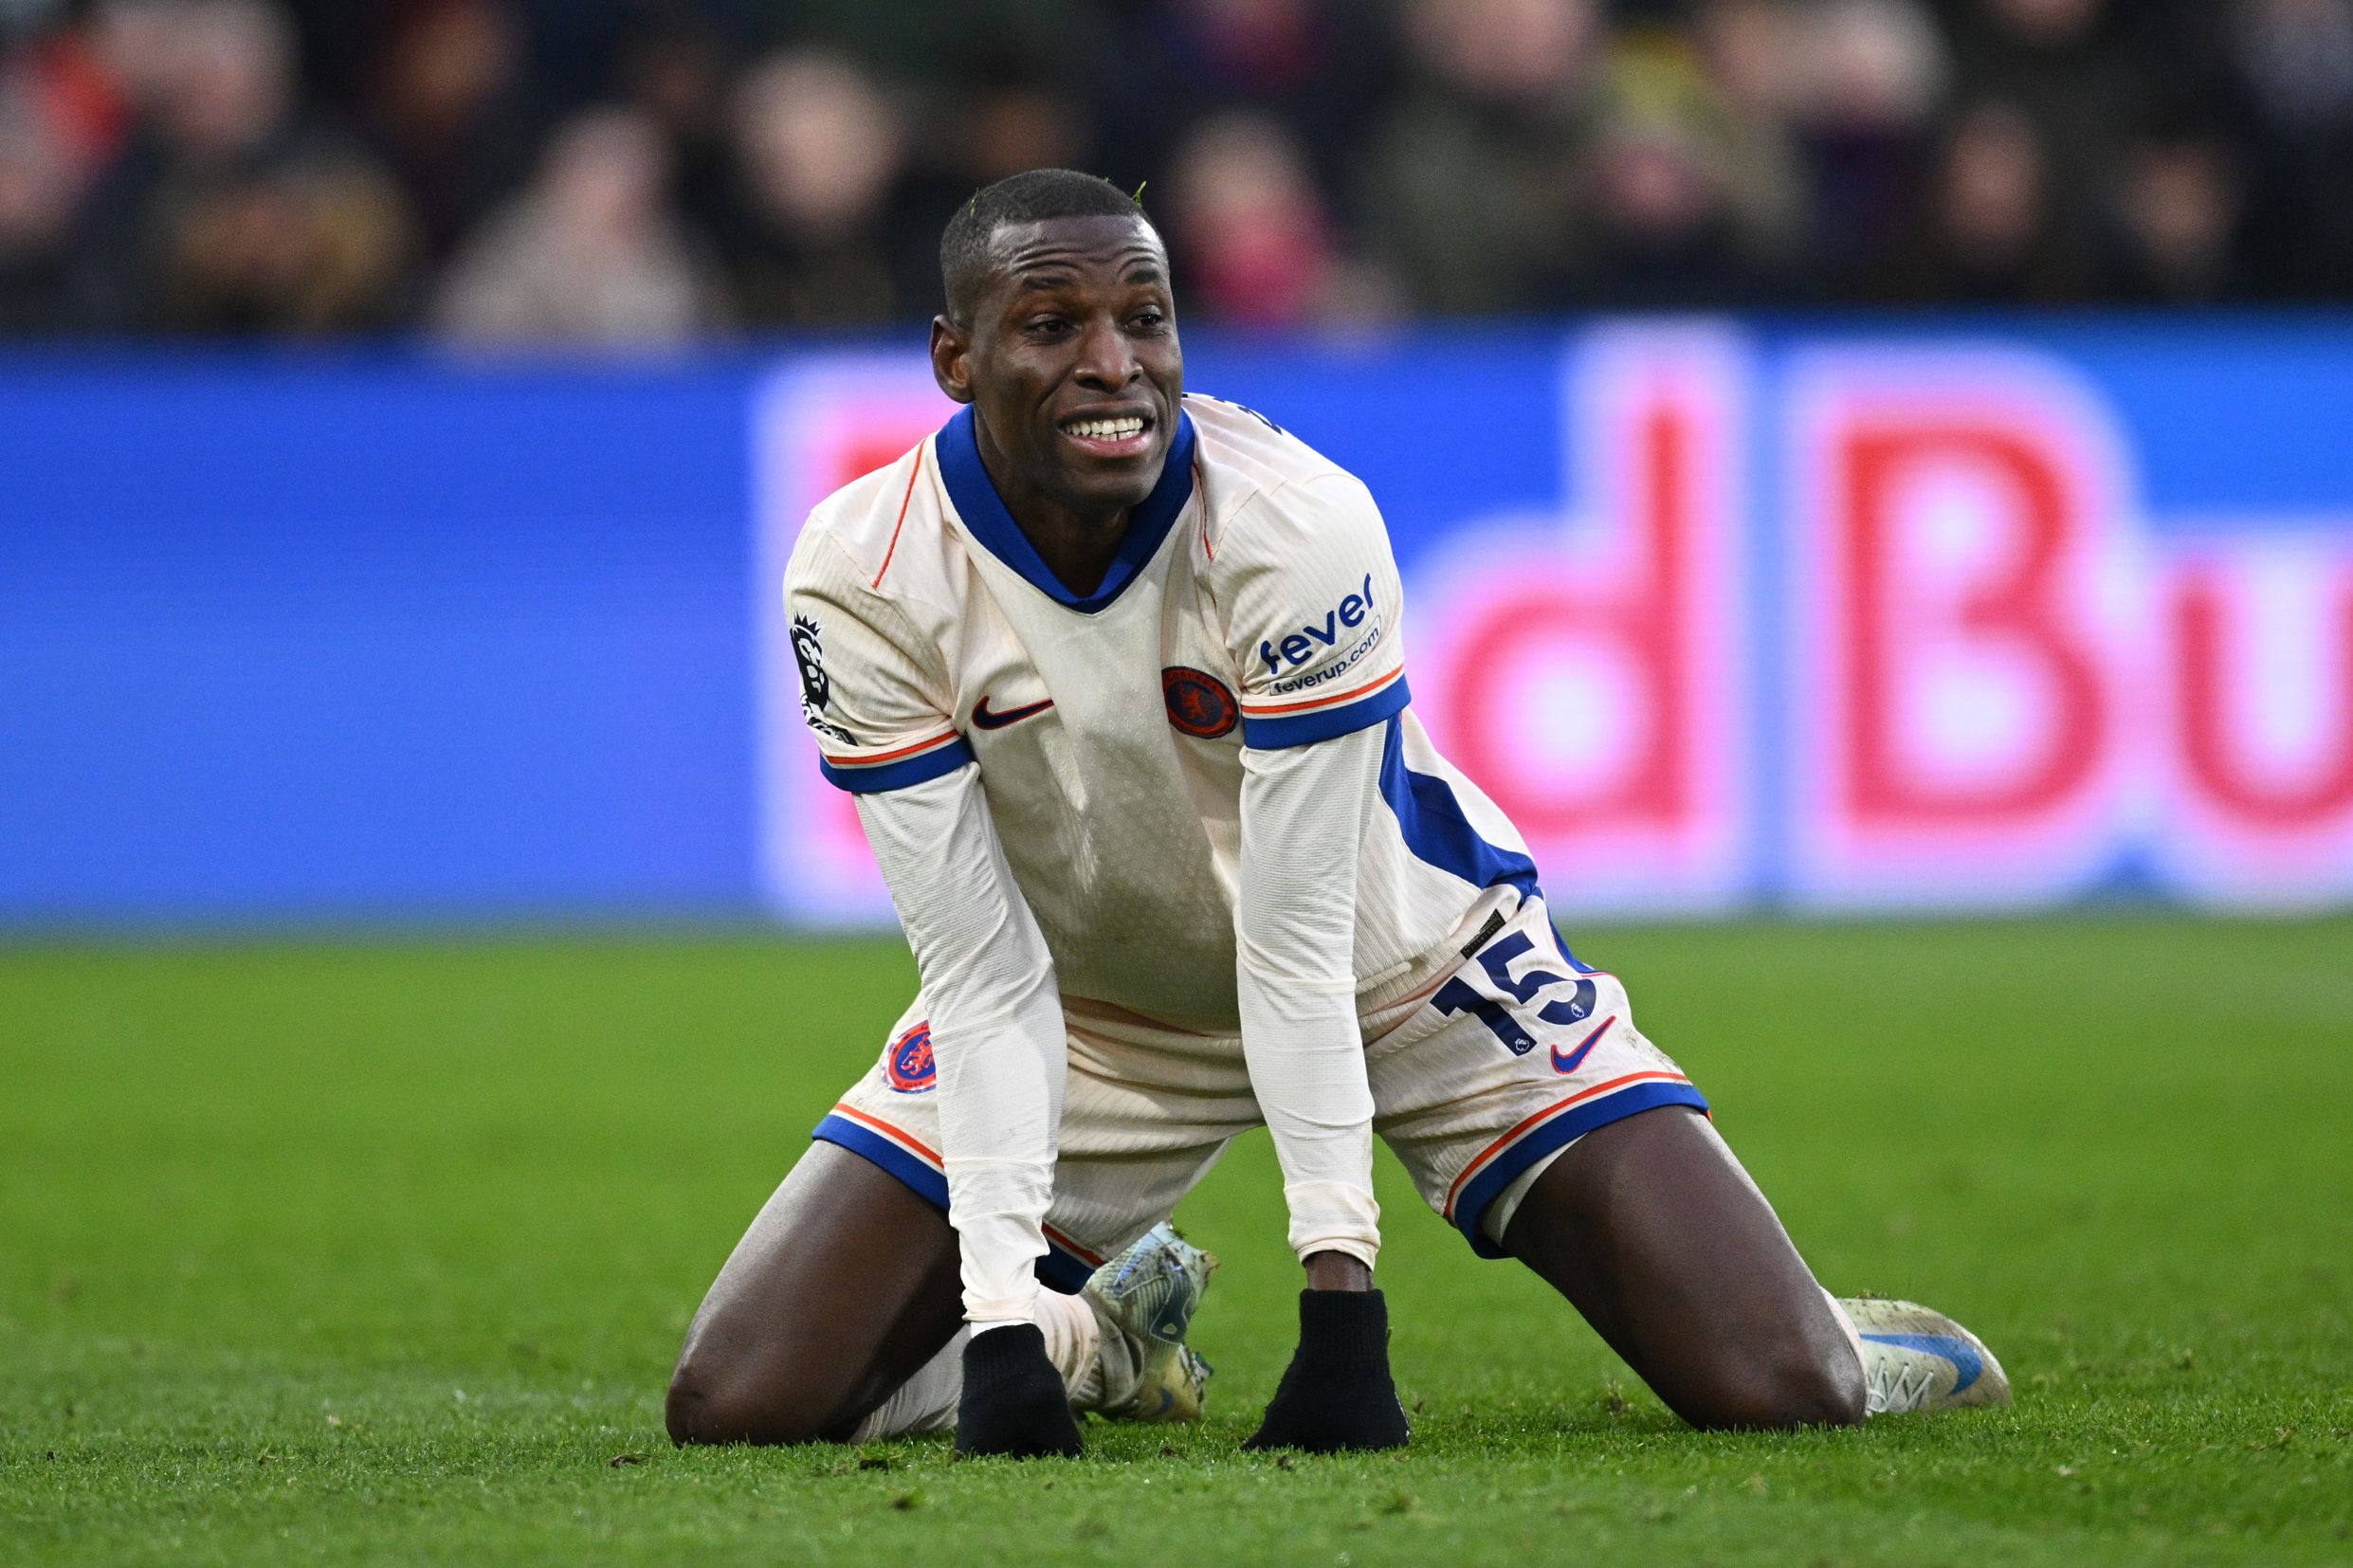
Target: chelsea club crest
[{"x": 909, "y": 1064}]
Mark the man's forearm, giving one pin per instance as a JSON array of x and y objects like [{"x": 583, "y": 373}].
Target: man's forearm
[
  {"x": 1302, "y": 814},
  {"x": 996, "y": 1030}
]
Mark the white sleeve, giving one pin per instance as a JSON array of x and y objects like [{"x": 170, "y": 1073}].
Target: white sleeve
[
  {"x": 996, "y": 1029},
  {"x": 1304, "y": 811},
  {"x": 1307, "y": 588}
]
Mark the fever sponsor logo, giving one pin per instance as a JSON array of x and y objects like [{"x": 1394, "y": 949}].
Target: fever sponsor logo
[
  {"x": 1290, "y": 651},
  {"x": 908, "y": 1064}
]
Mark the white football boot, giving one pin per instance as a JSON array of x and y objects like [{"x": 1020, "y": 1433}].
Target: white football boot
[
  {"x": 1148, "y": 1295},
  {"x": 1917, "y": 1358}
]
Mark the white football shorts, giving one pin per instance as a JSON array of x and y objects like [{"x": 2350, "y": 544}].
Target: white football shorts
[{"x": 1480, "y": 1077}]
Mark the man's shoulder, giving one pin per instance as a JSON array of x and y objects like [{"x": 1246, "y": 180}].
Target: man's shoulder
[
  {"x": 1247, "y": 452},
  {"x": 856, "y": 531},
  {"x": 1257, "y": 475}
]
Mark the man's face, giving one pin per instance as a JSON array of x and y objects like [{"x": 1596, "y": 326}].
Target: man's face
[{"x": 1070, "y": 358}]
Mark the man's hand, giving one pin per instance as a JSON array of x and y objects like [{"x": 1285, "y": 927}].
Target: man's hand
[
  {"x": 1337, "y": 1394},
  {"x": 1014, "y": 1401}
]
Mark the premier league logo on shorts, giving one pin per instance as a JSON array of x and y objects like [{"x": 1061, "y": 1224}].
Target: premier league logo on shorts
[
  {"x": 908, "y": 1062},
  {"x": 1198, "y": 704}
]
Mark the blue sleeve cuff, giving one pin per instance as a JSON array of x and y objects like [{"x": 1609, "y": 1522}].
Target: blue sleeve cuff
[
  {"x": 1305, "y": 729},
  {"x": 898, "y": 772}
]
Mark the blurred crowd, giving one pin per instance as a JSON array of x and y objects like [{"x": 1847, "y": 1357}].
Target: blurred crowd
[{"x": 651, "y": 171}]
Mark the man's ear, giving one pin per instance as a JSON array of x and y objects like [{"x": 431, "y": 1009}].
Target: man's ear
[{"x": 951, "y": 364}]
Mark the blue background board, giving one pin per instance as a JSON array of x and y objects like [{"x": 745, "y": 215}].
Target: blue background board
[{"x": 380, "y": 634}]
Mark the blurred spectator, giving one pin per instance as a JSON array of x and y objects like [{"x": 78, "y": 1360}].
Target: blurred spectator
[
  {"x": 307, "y": 166},
  {"x": 818, "y": 154},
  {"x": 1688, "y": 202},
  {"x": 1866, "y": 80},
  {"x": 1253, "y": 244},
  {"x": 2295, "y": 59},
  {"x": 2174, "y": 226},
  {"x": 71, "y": 87},
  {"x": 1313, "y": 67},
  {"x": 444, "y": 108},
  {"x": 1013, "y": 125},
  {"x": 677, "y": 72},
  {"x": 1986, "y": 236},
  {"x": 2066, "y": 66},
  {"x": 590, "y": 253},
  {"x": 1474, "y": 178},
  {"x": 36, "y": 212},
  {"x": 2298, "y": 54},
  {"x": 231, "y": 211},
  {"x": 1748, "y": 53}
]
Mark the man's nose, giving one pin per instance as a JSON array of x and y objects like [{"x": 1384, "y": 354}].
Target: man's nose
[{"x": 1107, "y": 358}]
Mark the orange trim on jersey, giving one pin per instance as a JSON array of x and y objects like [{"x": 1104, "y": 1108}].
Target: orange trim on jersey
[
  {"x": 903, "y": 517},
  {"x": 889, "y": 757},
  {"x": 1260, "y": 710},
  {"x": 1546, "y": 1114},
  {"x": 1207, "y": 549},
  {"x": 1083, "y": 1254},
  {"x": 886, "y": 1128}
]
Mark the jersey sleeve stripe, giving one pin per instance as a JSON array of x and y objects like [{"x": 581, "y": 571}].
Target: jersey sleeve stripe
[
  {"x": 896, "y": 527},
  {"x": 896, "y": 769},
  {"x": 1269, "y": 710},
  {"x": 1388, "y": 700},
  {"x": 1198, "y": 488}
]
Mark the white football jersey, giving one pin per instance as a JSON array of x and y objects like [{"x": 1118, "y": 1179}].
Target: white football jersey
[{"x": 1253, "y": 603}]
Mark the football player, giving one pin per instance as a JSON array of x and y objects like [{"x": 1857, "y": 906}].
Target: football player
[{"x": 1116, "y": 674}]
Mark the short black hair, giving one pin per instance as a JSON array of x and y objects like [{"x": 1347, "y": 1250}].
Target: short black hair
[{"x": 1032, "y": 196}]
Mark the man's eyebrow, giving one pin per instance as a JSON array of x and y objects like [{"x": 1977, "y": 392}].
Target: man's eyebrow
[
  {"x": 1043, "y": 276},
  {"x": 1053, "y": 272}
]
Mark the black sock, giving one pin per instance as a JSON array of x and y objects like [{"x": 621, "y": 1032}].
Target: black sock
[
  {"x": 1013, "y": 1402},
  {"x": 1337, "y": 1393}
]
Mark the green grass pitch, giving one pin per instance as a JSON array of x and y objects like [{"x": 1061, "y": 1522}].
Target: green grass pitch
[{"x": 362, "y": 1253}]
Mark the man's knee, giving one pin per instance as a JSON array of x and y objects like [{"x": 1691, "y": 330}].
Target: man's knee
[
  {"x": 1795, "y": 1387},
  {"x": 715, "y": 1403}
]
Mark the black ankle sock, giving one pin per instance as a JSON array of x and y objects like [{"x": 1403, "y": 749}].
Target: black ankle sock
[{"x": 1013, "y": 1402}]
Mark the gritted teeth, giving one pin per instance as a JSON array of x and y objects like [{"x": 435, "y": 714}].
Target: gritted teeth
[{"x": 1107, "y": 430}]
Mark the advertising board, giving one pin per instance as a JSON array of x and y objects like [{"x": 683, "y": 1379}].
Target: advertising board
[{"x": 1824, "y": 614}]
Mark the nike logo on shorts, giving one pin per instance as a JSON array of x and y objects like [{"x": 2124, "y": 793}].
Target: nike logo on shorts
[
  {"x": 987, "y": 721},
  {"x": 1577, "y": 1058}
]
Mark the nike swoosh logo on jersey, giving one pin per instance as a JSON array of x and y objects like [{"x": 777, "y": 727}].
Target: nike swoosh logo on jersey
[
  {"x": 1945, "y": 1347},
  {"x": 987, "y": 721},
  {"x": 1577, "y": 1058}
]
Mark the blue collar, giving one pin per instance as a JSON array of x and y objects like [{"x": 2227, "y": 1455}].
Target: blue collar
[{"x": 984, "y": 513}]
